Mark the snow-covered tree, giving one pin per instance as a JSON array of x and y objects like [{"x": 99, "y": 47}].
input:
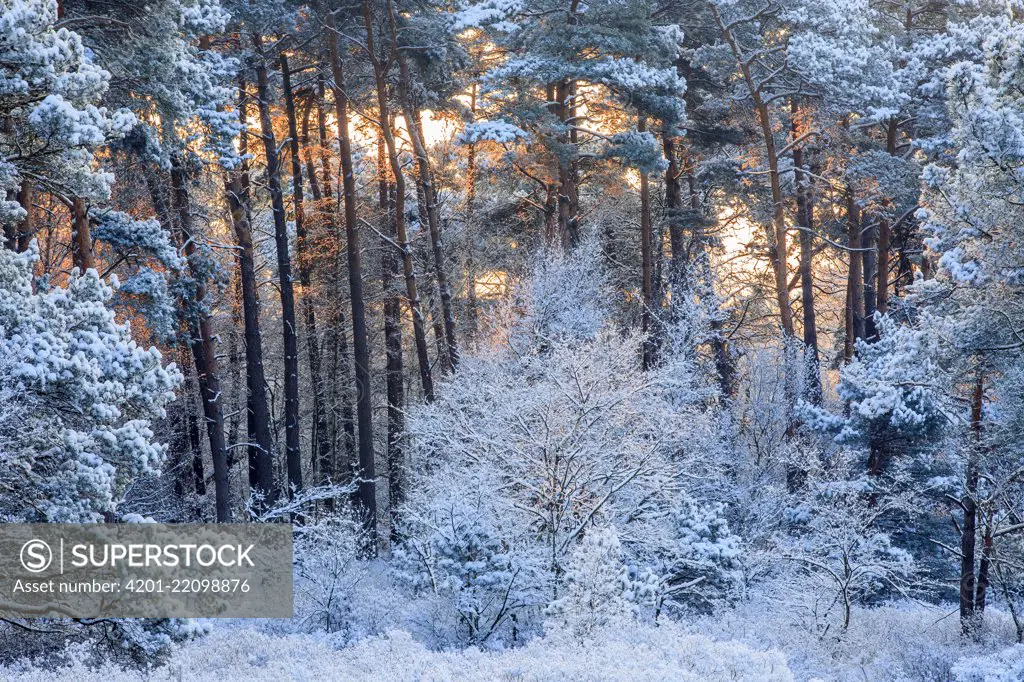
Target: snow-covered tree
[
  {"x": 545, "y": 438},
  {"x": 87, "y": 397},
  {"x": 842, "y": 549},
  {"x": 554, "y": 53},
  {"x": 50, "y": 95},
  {"x": 596, "y": 587}
]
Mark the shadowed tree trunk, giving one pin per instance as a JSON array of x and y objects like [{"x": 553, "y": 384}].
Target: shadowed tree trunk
[
  {"x": 805, "y": 222},
  {"x": 392, "y": 340},
  {"x": 261, "y": 454},
  {"x": 429, "y": 195},
  {"x": 341, "y": 417},
  {"x": 321, "y": 445},
  {"x": 646, "y": 265},
  {"x": 293, "y": 455},
  {"x": 364, "y": 406},
  {"x": 398, "y": 176},
  {"x": 202, "y": 342},
  {"x": 471, "y": 302},
  {"x": 855, "y": 278},
  {"x": 885, "y": 233},
  {"x": 972, "y": 591},
  {"x": 565, "y": 108}
]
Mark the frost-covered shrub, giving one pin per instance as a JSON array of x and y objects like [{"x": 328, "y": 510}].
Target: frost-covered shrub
[
  {"x": 1006, "y": 665},
  {"x": 453, "y": 553},
  {"x": 624, "y": 654},
  {"x": 837, "y": 537},
  {"x": 327, "y": 571},
  {"x": 596, "y": 588},
  {"x": 900, "y": 640},
  {"x": 702, "y": 565}
]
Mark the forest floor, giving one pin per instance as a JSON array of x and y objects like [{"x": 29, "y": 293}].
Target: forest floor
[{"x": 746, "y": 644}]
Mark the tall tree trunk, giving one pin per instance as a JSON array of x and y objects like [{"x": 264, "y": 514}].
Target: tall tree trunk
[
  {"x": 805, "y": 221},
  {"x": 869, "y": 241},
  {"x": 321, "y": 444},
  {"x": 885, "y": 233},
  {"x": 190, "y": 429},
  {"x": 394, "y": 372},
  {"x": 414, "y": 124},
  {"x": 343, "y": 421},
  {"x": 471, "y": 301},
  {"x": 261, "y": 453},
  {"x": 308, "y": 159},
  {"x": 776, "y": 231},
  {"x": 429, "y": 292},
  {"x": 984, "y": 567},
  {"x": 398, "y": 175},
  {"x": 364, "y": 406},
  {"x": 855, "y": 278},
  {"x": 203, "y": 344},
  {"x": 551, "y": 214},
  {"x": 293, "y": 455},
  {"x": 646, "y": 265},
  {"x": 673, "y": 214},
  {"x": 969, "y": 504},
  {"x": 81, "y": 237},
  {"x": 568, "y": 168}
]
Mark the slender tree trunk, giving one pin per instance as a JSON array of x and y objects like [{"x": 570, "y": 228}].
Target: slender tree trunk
[
  {"x": 568, "y": 168},
  {"x": 236, "y": 368},
  {"x": 882, "y": 259},
  {"x": 551, "y": 214},
  {"x": 321, "y": 444},
  {"x": 984, "y": 568},
  {"x": 293, "y": 455},
  {"x": 855, "y": 278},
  {"x": 364, "y": 406},
  {"x": 190, "y": 428},
  {"x": 81, "y": 236},
  {"x": 646, "y": 265},
  {"x": 777, "y": 235},
  {"x": 394, "y": 371},
  {"x": 418, "y": 321},
  {"x": 885, "y": 233},
  {"x": 261, "y": 453},
  {"x": 805, "y": 221},
  {"x": 471, "y": 301},
  {"x": 415, "y": 125},
  {"x": 776, "y": 231},
  {"x": 308, "y": 159},
  {"x": 673, "y": 210},
  {"x": 343, "y": 432},
  {"x": 969, "y": 531},
  {"x": 203, "y": 344},
  {"x": 869, "y": 242}
]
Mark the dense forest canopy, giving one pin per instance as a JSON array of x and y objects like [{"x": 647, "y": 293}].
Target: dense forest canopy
[{"x": 535, "y": 317}]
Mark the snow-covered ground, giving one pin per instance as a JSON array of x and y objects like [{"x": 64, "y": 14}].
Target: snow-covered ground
[
  {"x": 904, "y": 642},
  {"x": 249, "y": 655}
]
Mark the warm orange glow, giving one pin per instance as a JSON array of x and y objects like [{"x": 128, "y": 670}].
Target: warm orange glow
[{"x": 491, "y": 285}]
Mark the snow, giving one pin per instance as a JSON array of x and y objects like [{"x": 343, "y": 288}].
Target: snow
[{"x": 245, "y": 655}]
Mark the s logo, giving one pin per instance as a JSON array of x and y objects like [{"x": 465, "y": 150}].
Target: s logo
[{"x": 36, "y": 556}]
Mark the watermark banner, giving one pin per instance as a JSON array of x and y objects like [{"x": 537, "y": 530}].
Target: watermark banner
[{"x": 145, "y": 570}]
